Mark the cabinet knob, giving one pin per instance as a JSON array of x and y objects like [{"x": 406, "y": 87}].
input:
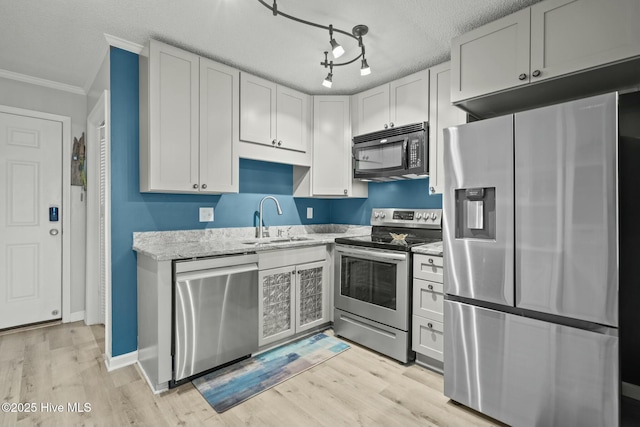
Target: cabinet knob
[
  {"x": 430, "y": 325},
  {"x": 432, "y": 189},
  {"x": 279, "y": 143},
  {"x": 430, "y": 287},
  {"x": 345, "y": 192},
  {"x": 195, "y": 186},
  {"x": 391, "y": 124},
  {"x": 386, "y": 126},
  {"x": 430, "y": 260},
  {"x": 204, "y": 186},
  {"x": 536, "y": 73},
  {"x": 522, "y": 76},
  {"x": 273, "y": 142}
]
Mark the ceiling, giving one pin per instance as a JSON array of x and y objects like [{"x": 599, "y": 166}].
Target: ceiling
[{"x": 64, "y": 40}]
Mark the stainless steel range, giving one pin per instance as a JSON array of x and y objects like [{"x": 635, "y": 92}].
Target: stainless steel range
[{"x": 373, "y": 279}]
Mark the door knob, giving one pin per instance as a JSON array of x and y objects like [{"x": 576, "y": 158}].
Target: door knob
[
  {"x": 391, "y": 124},
  {"x": 279, "y": 143},
  {"x": 273, "y": 142},
  {"x": 204, "y": 186},
  {"x": 53, "y": 231},
  {"x": 386, "y": 126},
  {"x": 195, "y": 185}
]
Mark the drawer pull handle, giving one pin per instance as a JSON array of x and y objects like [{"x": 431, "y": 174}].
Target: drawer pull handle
[
  {"x": 430, "y": 325},
  {"x": 430, "y": 287}
]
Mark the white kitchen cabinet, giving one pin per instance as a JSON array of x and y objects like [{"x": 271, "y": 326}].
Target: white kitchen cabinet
[
  {"x": 550, "y": 39},
  {"x": 398, "y": 103},
  {"x": 188, "y": 123},
  {"x": 273, "y": 115},
  {"x": 428, "y": 311},
  {"x": 442, "y": 114},
  {"x": 332, "y": 166},
  {"x": 294, "y": 296}
]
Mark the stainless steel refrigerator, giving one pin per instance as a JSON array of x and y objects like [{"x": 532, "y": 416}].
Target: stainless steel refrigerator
[{"x": 531, "y": 265}]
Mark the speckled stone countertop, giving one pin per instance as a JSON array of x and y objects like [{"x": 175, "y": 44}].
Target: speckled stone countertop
[
  {"x": 169, "y": 245},
  {"x": 429, "y": 249}
]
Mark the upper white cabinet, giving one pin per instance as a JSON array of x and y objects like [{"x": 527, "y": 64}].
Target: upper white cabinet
[
  {"x": 549, "y": 39},
  {"x": 398, "y": 103},
  {"x": 442, "y": 114},
  {"x": 332, "y": 168},
  {"x": 188, "y": 123},
  {"x": 273, "y": 115}
]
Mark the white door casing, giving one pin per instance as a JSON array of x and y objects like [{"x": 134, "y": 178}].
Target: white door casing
[{"x": 31, "y": 248}]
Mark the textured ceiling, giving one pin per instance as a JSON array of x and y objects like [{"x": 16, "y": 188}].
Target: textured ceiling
[{"x": 63, "y": 40}]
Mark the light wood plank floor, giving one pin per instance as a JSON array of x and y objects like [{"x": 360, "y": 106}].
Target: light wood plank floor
[{"x": 64, "y": 364}]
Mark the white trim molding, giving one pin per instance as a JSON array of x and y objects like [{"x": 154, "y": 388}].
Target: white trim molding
[
  {"x": 164, "y": 387},
  {"x": 117, "y": 362},
  {"x": 123, "y": 44},
  {"x": 631, "y": 390},
  {"x": 75, "y": 317},
  {"x": 42, "y": 82},
  {"x": 67, "y": 145}
]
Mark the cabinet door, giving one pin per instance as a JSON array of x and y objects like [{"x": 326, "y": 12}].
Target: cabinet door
[
  {"x": 331, "y": 166},
  {"x": 219, "y": 110},
  {"x": 257, "y": 110},
  {"x": 572, "y": 35},
  {"x": 311, "y": 283},
  {"x": 276, "y": 308},
  {"x": 292, "y": 119},
  {"x": 373, "y": 109},
  {"x": 442, "y": 114},
  {"x": 173, "y": 119},
  {"x": 491, "y": 58},
  {"x": 409, "y": 101}
]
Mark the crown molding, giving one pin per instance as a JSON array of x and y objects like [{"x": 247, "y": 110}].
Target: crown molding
[
  {"x": 41, "y": 82},
  {"x": 123, "y": 44}
]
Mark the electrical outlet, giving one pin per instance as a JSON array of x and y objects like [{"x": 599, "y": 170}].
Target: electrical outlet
[
  {"x": 206, "y": 214},
  {"x": 309, "y": 213}
]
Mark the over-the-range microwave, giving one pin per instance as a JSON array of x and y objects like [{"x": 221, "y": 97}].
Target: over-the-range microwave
[{"x": 391, "y": 154}]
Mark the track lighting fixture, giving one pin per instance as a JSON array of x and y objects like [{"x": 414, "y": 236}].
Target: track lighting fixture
[{"x": 336, "y": 49}]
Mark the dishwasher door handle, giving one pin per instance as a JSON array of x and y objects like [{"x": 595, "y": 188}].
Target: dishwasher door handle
[{"x": 215, "y": 272}]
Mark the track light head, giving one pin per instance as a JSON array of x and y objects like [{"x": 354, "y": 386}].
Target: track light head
[
  {"x": 328, "y": 81},
  {"x": 337, "y": 50},
  {"x": 364, "y": 69}
]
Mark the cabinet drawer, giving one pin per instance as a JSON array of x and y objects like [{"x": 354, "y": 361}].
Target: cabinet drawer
[
  {"x": 427, "y": 337},
  {"x": 427, "y": 267},
  {"x": 428, "y": 299},
  {"x": 282, "y": 257}
]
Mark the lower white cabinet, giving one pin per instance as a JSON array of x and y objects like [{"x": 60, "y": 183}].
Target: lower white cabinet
[
  {"x": 428, "y": 308},
  {"x": 295, "y": 296}
]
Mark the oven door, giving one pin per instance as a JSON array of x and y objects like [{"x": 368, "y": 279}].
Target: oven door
[
  {"x": 379, "y": 158},
  {"x": 373, "y": 283}
]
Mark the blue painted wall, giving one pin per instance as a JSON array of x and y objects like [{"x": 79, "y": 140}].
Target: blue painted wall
[{"x": 133, "y": 211}]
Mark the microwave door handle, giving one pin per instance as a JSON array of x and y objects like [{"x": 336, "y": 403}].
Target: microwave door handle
[{"x": 405, "y": 154}]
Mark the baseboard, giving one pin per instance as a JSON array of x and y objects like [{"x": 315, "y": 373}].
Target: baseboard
[
  {"x": 74, "y": 317},
  {"x": 121, "y": 361},
  {"x": 631, "y": 390},
  {"x": 151, "y": 386}
]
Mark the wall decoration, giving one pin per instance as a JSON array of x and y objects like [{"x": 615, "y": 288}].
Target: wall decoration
[{"x": 78, "y": 176}]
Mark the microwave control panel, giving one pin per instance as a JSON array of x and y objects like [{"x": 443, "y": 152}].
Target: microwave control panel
[{"x": 414, "y": 152}]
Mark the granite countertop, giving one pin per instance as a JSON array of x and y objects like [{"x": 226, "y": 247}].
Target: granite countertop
[
  {"x": 434, "y": 249},
  {"x": 170, "y": 245}
]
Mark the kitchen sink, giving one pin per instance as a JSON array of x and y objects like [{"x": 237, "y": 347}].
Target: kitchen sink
[{"x": 277, "y": 240}]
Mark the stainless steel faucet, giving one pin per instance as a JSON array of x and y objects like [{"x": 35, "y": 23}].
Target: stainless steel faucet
[{"x": 260, "y": 230}]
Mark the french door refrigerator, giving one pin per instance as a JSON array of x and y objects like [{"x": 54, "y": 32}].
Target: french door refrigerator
[{"x": 531, "y": 265}]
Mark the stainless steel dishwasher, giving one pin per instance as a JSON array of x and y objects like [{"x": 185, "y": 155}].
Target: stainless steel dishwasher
[{"x": 215, "y": 306}]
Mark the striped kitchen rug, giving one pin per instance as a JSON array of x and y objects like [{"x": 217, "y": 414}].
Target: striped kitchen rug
[{"x": 229, "y": 386}]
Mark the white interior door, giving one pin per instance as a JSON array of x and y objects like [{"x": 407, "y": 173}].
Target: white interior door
[{"x": 30, "y": 243}]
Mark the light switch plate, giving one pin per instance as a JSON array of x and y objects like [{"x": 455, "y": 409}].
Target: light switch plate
[
  {"x": 309, "y": 213},
  {"x": 206, "y": 214}
]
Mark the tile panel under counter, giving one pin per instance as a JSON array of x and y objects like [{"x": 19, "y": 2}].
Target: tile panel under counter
[{"x": 185, "y": 244}]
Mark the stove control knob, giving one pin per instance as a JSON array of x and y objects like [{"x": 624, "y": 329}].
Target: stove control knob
[
  {"x": 418, "y": 215},
  {"x": 434, "y": 216},
  {"x": 382, "y": 215},
  {"x": 376, "y": 214}
]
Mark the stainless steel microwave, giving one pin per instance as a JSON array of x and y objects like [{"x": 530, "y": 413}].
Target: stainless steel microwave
[{"x": 392, "y": 154}]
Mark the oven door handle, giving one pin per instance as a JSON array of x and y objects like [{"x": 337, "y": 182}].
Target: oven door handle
[{"x": 372, "y": 254}]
